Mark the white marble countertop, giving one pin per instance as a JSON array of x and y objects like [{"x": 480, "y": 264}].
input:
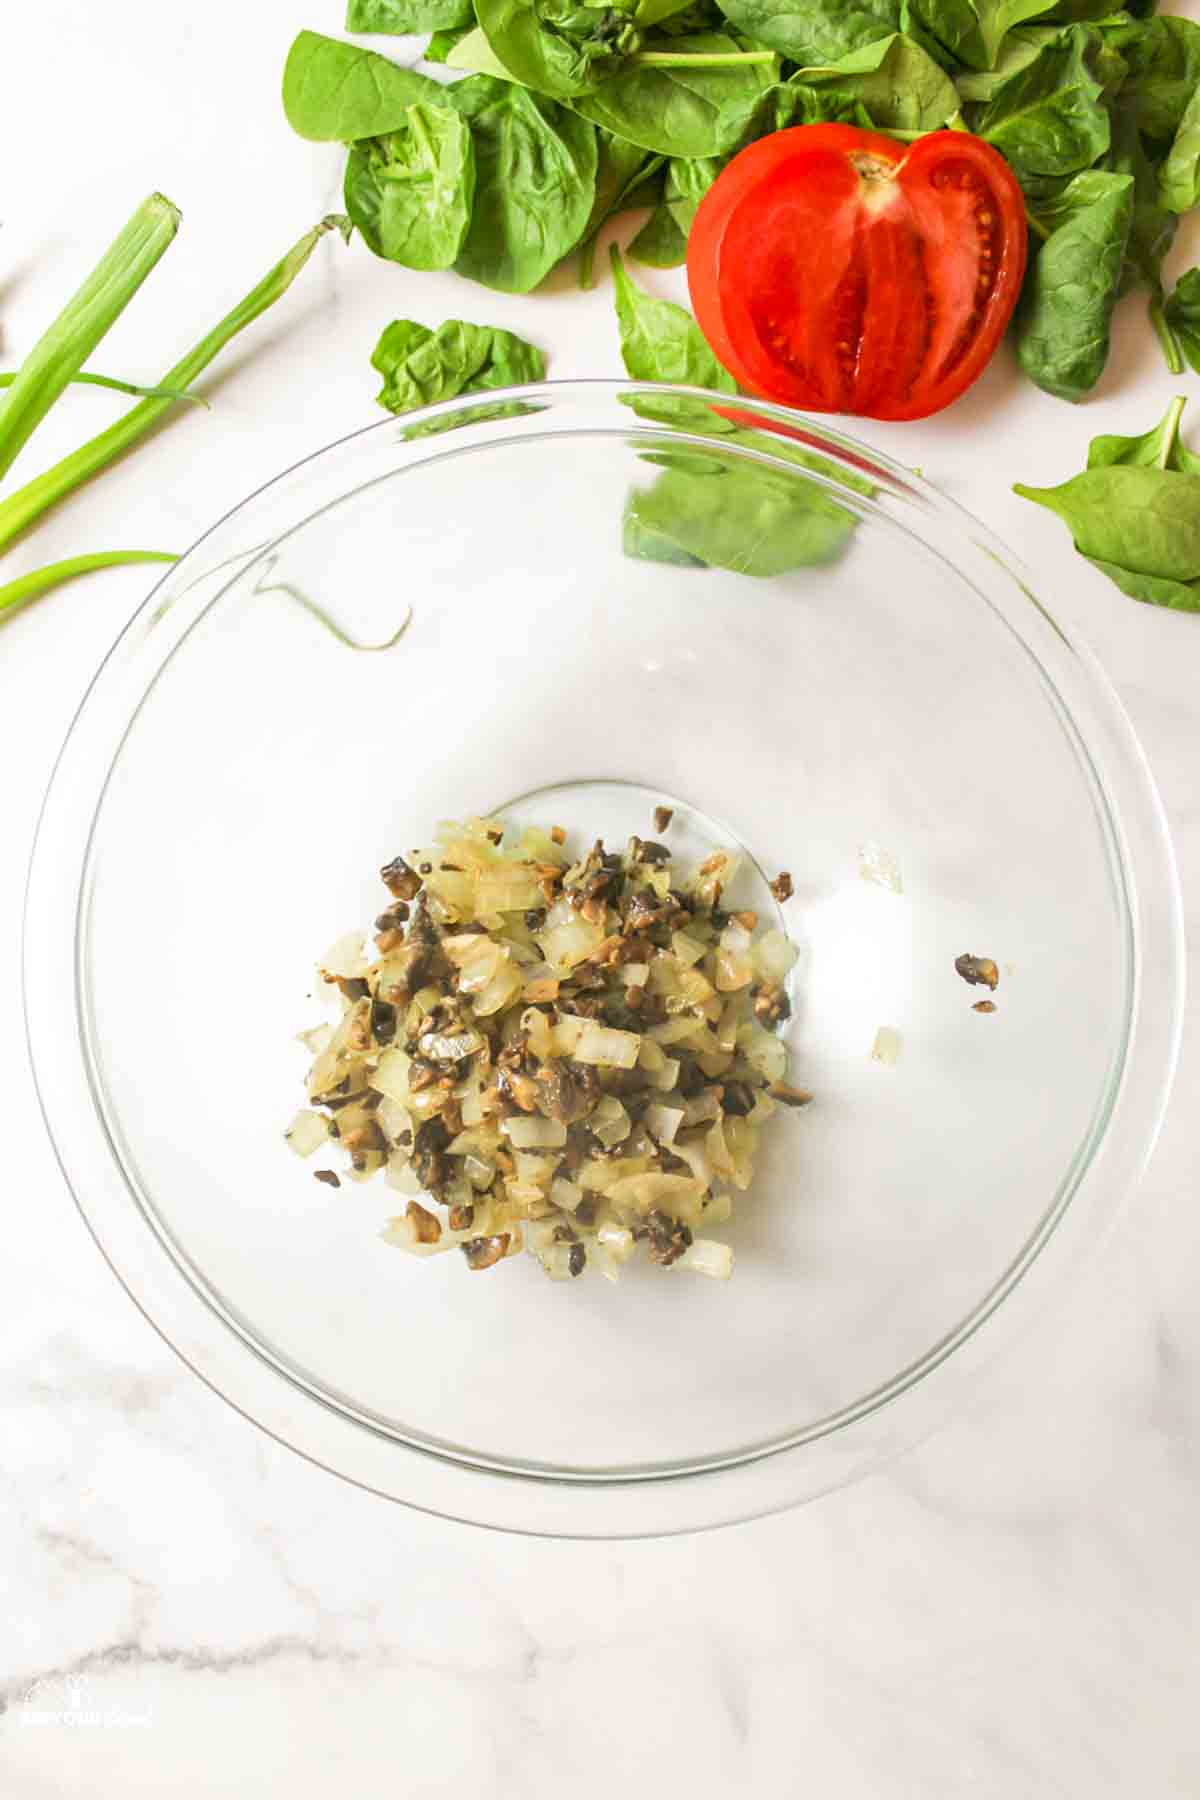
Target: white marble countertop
[{"x": 1008, "y": 1611}]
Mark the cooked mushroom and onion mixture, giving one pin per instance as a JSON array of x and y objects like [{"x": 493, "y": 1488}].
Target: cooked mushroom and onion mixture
[{"x": 571, "y": 1057}]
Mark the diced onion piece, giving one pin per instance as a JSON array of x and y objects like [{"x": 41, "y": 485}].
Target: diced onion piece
[
  {"x": 727, "y": 1025},
  {"x": 567, "y": 937},
  {"x": 673, "y": 1031},
  {"x": 774, "y": 956},
  {"x": 634, "y": 974},
  {"x": 880, "y": 866},
  {"x": 346, "y": 958},
  {"x": 391, "y": 1075},
  {"x": 400, "y": 1174},
  {"x": 507, "y": 887},
  {"x": 567, "y": 1034},
  {"x": 642, "y": 1193},
  {"x": 537, "y": 1027},
  {"x": 564, "y": 1193},
  {"x": 527, "y": 1132},
  {"x": 316, "y": 1040},
  {"x": 651, "y": 1056},
  {"x": 664, "y": 1079},
  {"x": 609, "y": 1121},
  {"x": 605, "y": 1046},
  {"x": 764, "y": 1052},
  {"x": 479, "y": 1173},
  {"x": 501, "y": 990},
  {"x": 686, "y": 949},
  {"x": 718, "y": 1209},
  {"x": 696, "y": 1158},
  {"x": 887, "y": 1045},
  {"x": 307, "y": 1132},
  {"x": 734, "y": 965},
  {"x": 556, "y": 1260},
  {"x": 475, "y": 957},
  {"x": 616, "y": 1238},
  {"x": 706, "y": 1256},
  {"x": 535, "y": 1169},
  {"x": 719, "y": 1154},
  {"x": 694, "y": 989},
  {"x": 393, "y": 1119},
  {"x": 741, "y": 1139},
  {"x": 662, "y": 1122}
]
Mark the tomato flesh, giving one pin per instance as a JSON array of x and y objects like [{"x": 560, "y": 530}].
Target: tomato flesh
[{"x": 835, "y": 270}]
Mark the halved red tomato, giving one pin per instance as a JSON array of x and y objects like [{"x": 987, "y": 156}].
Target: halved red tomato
[{"x": 835, "y": 270}]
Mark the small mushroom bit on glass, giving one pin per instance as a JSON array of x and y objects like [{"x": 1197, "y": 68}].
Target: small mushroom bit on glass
[{"x": 570, "y": 1057}]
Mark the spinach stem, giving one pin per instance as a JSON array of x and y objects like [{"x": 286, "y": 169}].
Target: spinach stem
[
  {"x": 1170, "y": 343},
  {"x": 20, "y": 509},
  {"x": 27, "y": 588},
  {"x": 716, "y": 59},
  {"x": 1170, "y": 430},
  {"x": 120, "y": 387},
  {"x": 69, "y": 340}
]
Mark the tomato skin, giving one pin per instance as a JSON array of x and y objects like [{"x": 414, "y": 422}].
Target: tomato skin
[{"x": 835, "y": 270}]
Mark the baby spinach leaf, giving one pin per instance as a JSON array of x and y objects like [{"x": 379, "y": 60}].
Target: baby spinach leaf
[
  {"x": 1071, "y": 288},
  {"x": 559, "y": 47},
  {"x": 813, "y": 31},
  {"x": 662, "y": 342},
  {"x": 1153, "y": 590},
  {"x": 411, "y": 192},
  {"x": 1163, "y": 59},
  {"x": 728, "y": 514},
  {"x": 900, "y": 85},
  {"x": 662, "y": 241},
  {"x": 1182, "y": 312},
  {"x": 787, "y": 103},
  {"x": 1153, "y": 228},
  {"x": 1049, "y": 119},
  {"x": 949, "y": 30},
  {"x": 1145, "y": 520},
  {"x": 438, "y": 49},
  {"x": 338, "y": 92},
  {"x": 420, "y": 366},
  {"x": 535, "y": 181},
  {"x": 1179, "y": 180},
  {"x": 401, "y": 18},
  {"x": 1160, "y": 448},
  {"x": 473, "y": 53},
  {"x": 1019, "y": 49},
  {"x": 626, "y": 176},
  {"x": 677, "y": 111}
]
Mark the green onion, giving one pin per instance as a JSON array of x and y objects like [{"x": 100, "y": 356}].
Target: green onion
[
  {"x": 16, "y": 594},
  {"x": 122, "y": 387},
  {"x": 65, "y": 346},
  {"x": 20, "y": 510}
]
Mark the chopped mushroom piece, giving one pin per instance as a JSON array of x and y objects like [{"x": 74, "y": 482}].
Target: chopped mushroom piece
[
  {"x": 984, "y": 1006},
  {"x": 662, "y": 817},
  {"x": 980, "y": 971},
  {"x": 573, "y": 1058},
  {"x": 782, "y": 887}
]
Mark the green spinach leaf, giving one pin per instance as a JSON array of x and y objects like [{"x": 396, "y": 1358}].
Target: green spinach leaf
[
  {"x": 1071, "y": 288},
  {"x": 1182, "y": 312},
  {"x": 1049, "y": 119},
  {"x": 440, "y": 45},
  {"x": 626, "y": 176},
  {"x": 900, "y": 85},
  {"x": 662, "y": 241},
  {"x": 676, "y": 111},
  {"x": 1163, "y": 58},
  {"x": 662, "y": 342},
  {"x": 728, "y": 514},
  {"x": 420, "y": 366},
  {"x": 1179, "y": 180},
  {"x": 813, "y": 31},
  {"x": 1135, "y": 513},
  {"x": 402, "y": 18},
  {"x": 562, "y": 48},
  {"x": 535, "y": 181},
  {"x": 335, "y": 92},
  {"x": 1020, "y": 48},
  {"x": 788, "y": 103},
  {"x": 1161, "y": 448},
  {"x": 411, "y": 192}
]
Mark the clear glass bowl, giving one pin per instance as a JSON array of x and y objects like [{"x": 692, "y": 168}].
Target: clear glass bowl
[{"x": 245, "y": 762}]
